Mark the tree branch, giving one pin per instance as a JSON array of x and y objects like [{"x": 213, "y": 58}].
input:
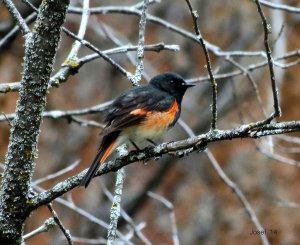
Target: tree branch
[
  {"x": 116, "y": 207},
  {"x": 40, "y": 50},
  {"x": 208, "y": 64},
  {"x": 69, "y": 68},
  {"x": 115, "y": 210},
  {"x": 190, "y": 145},
  {"x": 239, "y": 194},
  {"x": 141, "y": 46},
  {"x": 60, "y": 224},
  {"x": 170, "y": 208},
  {"x": 17, "y": 16},
  {"x": 280, "y": 7},
  {"x": 267, "y": 29},
  {"x": 49, "y": 223}
]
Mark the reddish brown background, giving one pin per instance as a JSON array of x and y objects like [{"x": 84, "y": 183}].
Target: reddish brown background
[{"x": 207, "y": 211}]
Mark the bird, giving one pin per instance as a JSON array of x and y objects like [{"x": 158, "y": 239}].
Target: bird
[{"x": 139, "y": 114}]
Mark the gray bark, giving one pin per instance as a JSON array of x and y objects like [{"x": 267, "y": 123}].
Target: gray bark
[{"x": 40, "y": 49}]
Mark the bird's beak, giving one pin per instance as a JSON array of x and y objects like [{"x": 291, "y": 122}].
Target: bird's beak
[{"x": 190, "y": 85}]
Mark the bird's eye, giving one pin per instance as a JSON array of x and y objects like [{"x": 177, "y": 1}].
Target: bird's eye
[
  {"x": 171, "y": 81},
  {"x": 183, "y": 84}
]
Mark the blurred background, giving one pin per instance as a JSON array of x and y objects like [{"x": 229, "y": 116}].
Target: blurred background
[{"x": 206, "y": 209}]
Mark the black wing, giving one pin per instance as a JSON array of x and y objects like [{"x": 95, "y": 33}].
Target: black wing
[{"x": 147, "y": 98}]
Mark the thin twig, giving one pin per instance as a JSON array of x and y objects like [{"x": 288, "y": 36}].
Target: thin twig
[
  {"x": 7, "y": 119},
  {"x": 132, "y": 11},
  {"x": 85, "y": 123},
  {"x": 72, "y": 60},
  {"x": 141, "y": 4},
  {"x": 126, "y": 217},
  {"x": 251, "y": 67},
  {"x": 17, "y": 16},
  {"x": 82, "y": 240},
  {"x": 81, "y": 32},
  {"x": 267, "y": 30},
  {"x": 115, "y": 208},
  {"x": 239, "y": 194},
  {"x": 100, "y": 53},
  {"x": 283, "y": 7},
  {"x": 291, "y": 139},
  {"x": 208, "y": 64},
  {"x": 279, "y": 35},
  {"x": 231, "y": 184},
  {"x": 191, "y": 144},
  {"x": 57, "y": 174},
  {"x": 279, "y": 158},
  {"x": 288, "y": 204},
  {"x": 141, "y": 44},
  {"x": 252, "y": 82},
  {"x": 292, "y": 150},
  {"x": 63, "y": 74},
  {"x": 156, "y": 20},
  {"x": 85, "y": 214},
  {"x": 170, "y": 207},
  {"x": 49, "y": 224},
  {"x": 57, "y": 114},
  {"x": 127, "y": 48},
  {"x": 13, "y": 32},
  {"x": 60, "y": 224}
]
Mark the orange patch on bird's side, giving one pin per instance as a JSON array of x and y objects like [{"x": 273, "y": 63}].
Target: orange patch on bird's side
[
  {"x": 138, "y": 112},
  {"x": 107, "y": 152},
  {"x": 161, "y": 119}
]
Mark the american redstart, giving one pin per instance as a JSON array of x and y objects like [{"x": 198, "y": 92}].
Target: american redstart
[{"x": 140, "y": 113}]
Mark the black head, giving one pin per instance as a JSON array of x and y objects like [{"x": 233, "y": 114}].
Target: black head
[{"x": 171, "y": 83}]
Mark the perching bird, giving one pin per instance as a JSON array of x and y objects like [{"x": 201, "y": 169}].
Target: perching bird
[{"x": 140, "y": 113}]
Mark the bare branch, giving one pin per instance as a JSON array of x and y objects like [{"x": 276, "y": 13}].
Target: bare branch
[
  {"x": 280, "y": 6},
  {"x": 170, "y": 207},
  {"x": 116, "y": 207},
  {"x": 267, "y": 29},
  {"x": 57, "y": 114},
  {"x": 82, "y": 29},
  {"x": 57, "y": 174},
  {"x": 141, "y": 44},
  {"x": 291, "y": 139},
  {"x": 69, "y": 69},
  {"x": 239, "y": 194},
  {"x": 19, "y": 19},
  {"x": 49, "y": 224},
  {"x": 82, "y": 240},
  {"x": 7, "y": 119},
  {"x": 71, "y": 61},
  {"x": 252, "y": 82},
  {"x": 60, "y": 224},
  {"x": 85, "y": 214},
  {"x": 126, "y": 217},
  {"x": 190, "y": 145},
  {"x": 132, "y": 11},
  {"x": 288, "y": 204},
  {"x": 5, "y": 40},
  {"x": 208, "y": 63},
  {"x": 38, "y": 62},
  {"x": 279, "y": 158},
  {"x": 250, "y": 68}
]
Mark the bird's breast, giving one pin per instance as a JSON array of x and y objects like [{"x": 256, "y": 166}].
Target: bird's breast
[{"x": 155, "y": 124}]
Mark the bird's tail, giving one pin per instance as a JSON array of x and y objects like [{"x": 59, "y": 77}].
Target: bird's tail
[{"x": 107, "y": 146}]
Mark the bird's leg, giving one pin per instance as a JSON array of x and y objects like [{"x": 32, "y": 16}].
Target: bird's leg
[
  {"x": 135, "y": 145},
  {"x": 152, "y": 142}
]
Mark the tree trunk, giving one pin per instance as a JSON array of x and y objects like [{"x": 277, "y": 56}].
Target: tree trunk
[{"x": 40, "y": 49}]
